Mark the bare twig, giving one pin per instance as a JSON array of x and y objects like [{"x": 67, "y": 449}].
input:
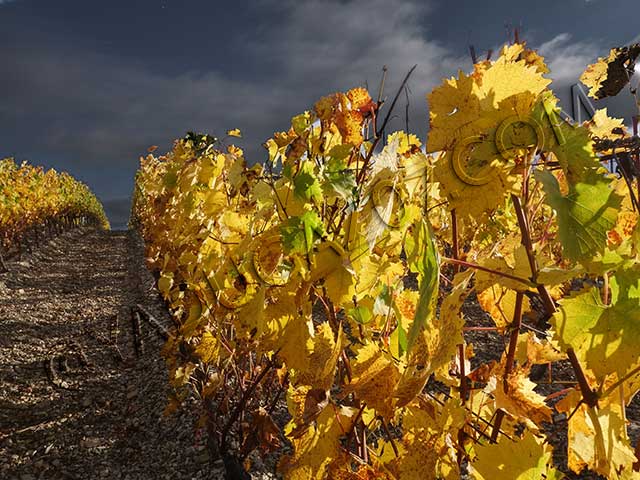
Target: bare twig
[
  {"x": 523, "y": 223},
  {"x": 390, "y": 437},
  {"x": 161, "y": 329},
  {"x": 588, "y": 396},
  {"x": 454, "y": 240},
  {"x": 475, "y": 266},
  {"x": 243, "y": 400},
  {"x": 367, "y": 159},
  {"x": 511, "y": 353}
]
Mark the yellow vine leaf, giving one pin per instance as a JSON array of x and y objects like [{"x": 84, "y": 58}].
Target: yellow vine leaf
[
  {"x": 359, "y": 99},
  {"x": 408, "y": 143},
  {"x": 165, "y": 282},
  {"x": 318, "y": 446},
  {"x": 519, "y": 51},
  {"x": 554, "y": 277},
  {"x": 374, "y": 378},
  {"x": 604, "y": 127},
  {"x": 625, "y": 230},
  {"x": 236, "y": 172},
  {"x": 499, "y": 302},
  {"x": 332, "y": 264},
  {"x": 182, "y": 374},
  {"x": 287, "y": 203},
  {"x": 368, "y": 267},
  {"x": 511, "y": 85},
  {"x": 214, "y": 202},
  {"x": 341, "y": 470},
  {"x": 525, "y": 459},
  {"x": 208, "y": 347},
  {"x": 233, "y": 226},
  {"x": 436, "y": 344},
  {"x": 416, "y": 172},
  {"x": 464, "y": 197},
  {"x": 597, "y": 438},
  {"x": 596, "y": 74},
  {"x": 517, "y": 397},
  {"x": 279, "y": 311},
  {"x": 350, "y": 125},
  {"x": 515, "y": 264},
  {"x": 194, "y": 316},
  {"x": 250, "y": 317},
  {"x": 297, "y": 342},
  {"x": 305, "y": 404},
  {"x": 465, "y": 115},
  {"x": 430, "y": 441},
  {"x": 323, "y": 360},
  {"x": 324, "y": 107},
  {"x": 532, "y": 350}
]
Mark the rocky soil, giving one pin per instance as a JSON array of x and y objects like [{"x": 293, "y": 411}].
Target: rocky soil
[{"x": 76, "y": 401}]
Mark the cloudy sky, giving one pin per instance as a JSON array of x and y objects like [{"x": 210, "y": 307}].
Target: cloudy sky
[{"x": 87, "y": 86}]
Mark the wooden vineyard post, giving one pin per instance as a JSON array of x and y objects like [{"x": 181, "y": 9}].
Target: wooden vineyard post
[{"x": 137, "y": 331}]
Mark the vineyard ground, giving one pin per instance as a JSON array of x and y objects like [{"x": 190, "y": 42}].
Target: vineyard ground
[{"x": 76, "y": 401}]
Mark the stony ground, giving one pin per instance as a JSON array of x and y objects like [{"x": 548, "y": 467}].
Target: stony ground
[{"x": 76, "y": 402}]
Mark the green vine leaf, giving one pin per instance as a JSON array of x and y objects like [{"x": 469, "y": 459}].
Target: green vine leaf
[
  {"x": 427, "y": 263},
  {"x": 585, "y": 214},
  {"x": 300, "y": 233},
  {"x": 306, "y": 185},
  {"x": 606, "y": 338}
]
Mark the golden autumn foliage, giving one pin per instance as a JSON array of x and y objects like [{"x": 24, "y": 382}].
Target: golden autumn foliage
[
  {"x": 340, "y": 273},
  {"x": 30, "y": 196}
]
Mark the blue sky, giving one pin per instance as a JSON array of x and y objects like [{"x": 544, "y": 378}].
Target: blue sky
[{"x": 88, "y": 86}]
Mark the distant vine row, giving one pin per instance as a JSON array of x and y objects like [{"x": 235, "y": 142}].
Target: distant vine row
[{"x": 36, "y": 204}]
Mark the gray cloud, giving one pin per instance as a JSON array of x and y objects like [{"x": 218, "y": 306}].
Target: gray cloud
[
  {"x": 105, "y": 110},
  {"x": 567, "y": 59},
  {"x": 93, "y": 113},
  {"x": 349, "y": 46}
]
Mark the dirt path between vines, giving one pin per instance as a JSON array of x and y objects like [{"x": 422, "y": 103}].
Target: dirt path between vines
[{"x": 76, "y": 402}]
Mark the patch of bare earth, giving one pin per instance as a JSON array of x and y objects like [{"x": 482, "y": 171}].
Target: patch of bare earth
[{"x": 76, "y": 401}]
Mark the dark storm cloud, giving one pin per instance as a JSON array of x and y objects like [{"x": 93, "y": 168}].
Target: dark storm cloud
[
  {"x": 88, "y": 87},
  {"x": 100, "y": 111}
]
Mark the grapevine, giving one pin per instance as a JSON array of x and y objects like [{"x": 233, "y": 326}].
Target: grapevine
[
  {"x": 336, "y": 272},
  {"x": 35, "y": 203}
]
